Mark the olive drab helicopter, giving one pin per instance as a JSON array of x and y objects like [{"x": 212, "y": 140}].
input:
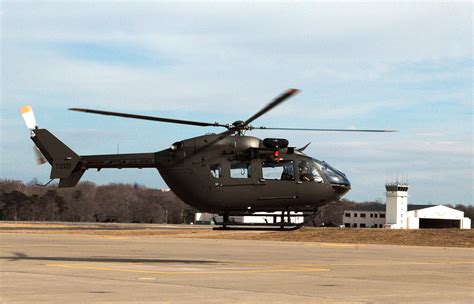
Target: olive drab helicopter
[{"x": 227, "y": 173}]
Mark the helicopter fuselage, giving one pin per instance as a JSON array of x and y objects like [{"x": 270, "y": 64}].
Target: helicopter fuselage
[{"x": 240, "y": 173}]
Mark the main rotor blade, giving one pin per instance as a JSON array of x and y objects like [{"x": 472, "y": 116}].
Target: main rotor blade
[
  {"x": 271, "y": 105},
  {"x": 153, "y": 118},
  {"x": 321, "y": 130}
]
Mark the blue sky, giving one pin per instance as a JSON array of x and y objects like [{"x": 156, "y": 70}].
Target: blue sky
[{"x": 405, "y": 66}]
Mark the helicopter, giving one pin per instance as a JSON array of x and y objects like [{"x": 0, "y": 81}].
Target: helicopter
[{"x": 227, "y": 173}]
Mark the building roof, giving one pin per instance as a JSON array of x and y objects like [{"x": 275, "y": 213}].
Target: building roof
[
  {"x": 416, "y": 207},
  {"x": 371, "y": 207},
  {"x": 381, "y": 207}
]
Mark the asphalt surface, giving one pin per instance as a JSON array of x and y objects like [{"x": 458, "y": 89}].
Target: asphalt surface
[{"x": 86, "y": 268}]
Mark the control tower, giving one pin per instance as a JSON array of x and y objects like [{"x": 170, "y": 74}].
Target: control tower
[{"x": 396, "y": 205}]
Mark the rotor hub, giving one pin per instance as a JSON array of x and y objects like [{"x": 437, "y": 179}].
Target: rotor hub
[{"x": 239, "y": 124}]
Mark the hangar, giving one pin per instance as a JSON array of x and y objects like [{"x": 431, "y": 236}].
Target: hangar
[{"x": 423, "y": 216}]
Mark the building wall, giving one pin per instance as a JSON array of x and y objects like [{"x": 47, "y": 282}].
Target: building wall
[
  {"x": 206, "y": 218},
  {"x": 212, "y": 218},
  {"x": 296, "y": 217},
  {"x": 363, "y": 219},
  {"x": 466, "y": 223},
  {"x": 412, "y": 222}
]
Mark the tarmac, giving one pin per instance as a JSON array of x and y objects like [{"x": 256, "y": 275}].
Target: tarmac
[{"x": 86, "y": 268}]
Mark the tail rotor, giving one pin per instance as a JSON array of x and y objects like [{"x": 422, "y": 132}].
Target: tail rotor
[
  {"x": 40, "y": 159},
  {"x": 28, "y": 117},
  {"x": 30, "y": 121}
]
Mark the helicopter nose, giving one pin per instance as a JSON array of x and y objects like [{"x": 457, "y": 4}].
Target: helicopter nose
[{"x": 341, "y": 189}]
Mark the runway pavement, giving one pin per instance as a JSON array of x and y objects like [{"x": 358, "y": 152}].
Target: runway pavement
[{"x": 87, "y": 268}]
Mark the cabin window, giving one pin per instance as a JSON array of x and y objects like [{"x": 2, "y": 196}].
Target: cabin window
[
  {"x": 282, "y": 170},
  {"x": 309, "y": 172},
  {"x": 216, "y": 170},
  {"x": 240, "y": 170}
]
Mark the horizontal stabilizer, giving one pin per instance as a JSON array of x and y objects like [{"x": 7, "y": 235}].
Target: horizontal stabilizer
[{"x": 71, "y": 180}]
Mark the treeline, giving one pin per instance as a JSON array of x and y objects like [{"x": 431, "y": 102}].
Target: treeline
[
  {"x": 126, "y": 203},
  {"x": 88, "y": 202}
]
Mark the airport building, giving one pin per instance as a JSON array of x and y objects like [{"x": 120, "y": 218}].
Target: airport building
[
  {"x": 255, "y": 218},
  {"x": 365, "y": 217},
  {"x": 398, "y": 214}
]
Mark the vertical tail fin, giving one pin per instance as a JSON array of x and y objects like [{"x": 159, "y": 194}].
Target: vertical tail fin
[{"x": 64, "y": 162}]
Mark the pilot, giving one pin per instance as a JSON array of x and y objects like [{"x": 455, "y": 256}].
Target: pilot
[
  {"x": 287, "y": 174},
  {"x": 305, "y": 174}
]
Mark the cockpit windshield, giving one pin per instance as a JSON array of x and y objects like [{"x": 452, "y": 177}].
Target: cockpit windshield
[{"x": 333, "y": 175}]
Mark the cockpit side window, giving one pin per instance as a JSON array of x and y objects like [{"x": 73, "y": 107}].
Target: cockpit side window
[
  {"x": 241, "y": 170},
  {"x": 283, "y": 170},
  {"x": 308, "y": 171},
  {"x": 216, "y": 170}
]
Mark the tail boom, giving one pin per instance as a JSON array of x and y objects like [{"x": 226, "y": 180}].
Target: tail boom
[
  {"x": 119, "y": 161},
  {"x": 69, "y": 167}
]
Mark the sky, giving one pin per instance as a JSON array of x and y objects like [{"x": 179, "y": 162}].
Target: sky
[{"x": 400, "y": 65}]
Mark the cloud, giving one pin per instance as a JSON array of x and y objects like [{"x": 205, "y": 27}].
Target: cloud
[
  {"x": 207, "y": 59},
  {"x": 399, "y": 65}
]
